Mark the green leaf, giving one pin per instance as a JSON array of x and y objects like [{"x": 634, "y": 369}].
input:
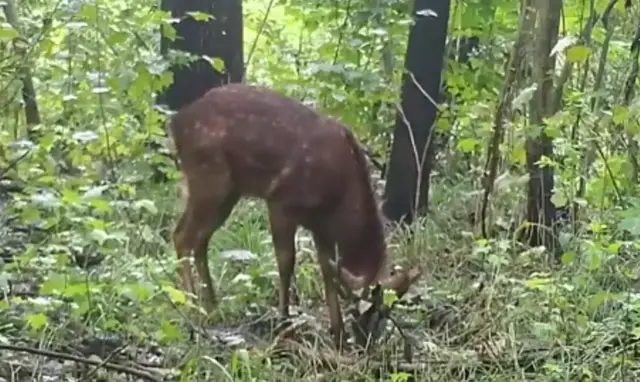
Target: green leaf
[
  {"x": 552, "y": 131},
  {"x": 169, "y": 331},
  {"x": 169, "y": 32},
  {"x": 562, "y": 44},
  {"x": 70, "y": 197},
  {"x": 601, "y": 5},
  {"x": 558, "y": 199},
  {"x": 99, "y": 236},
  {"x": 30, "y": 215},
  {"x": 117, "y": 38},
  {"x": 76, "y": 289},
  {"x": 614, "y": 248},
  {"x": 400, "y": 377},
  {"x": 147, "y": 234},
  {"x": 216, "y": 62},
  {"x": 88, "y": 12},
  {"x": 631, "y": 225},
  {"x": 37, "y": 321},
  {"x": 47, "y": 141},
  {"x": 595, "y": 260},
  {"x": 54, "y": 284},
  {"x": 175, "y": 295},
  {"x": 390, "y": 297},
  {"x": 600, "y": 298},
  {"x": 467, "y": 145},
  {"x": 94, "y": 192},
  {"x": 568, "y": 258},
  {"x": 200, "y": 16},
  {"x": 620, "y": 6},
  {"x": 578, "y": 53},
  {"x": 146, "y": 204},
  {"x": 519, "y": 155},
  {"x": 7, "y": 32},
  {"x": 539, "y": 283},
  {"x": 140, "y": 292},
  {"x": 101, "y": 206},
  {"x": 620, "y": 114}
]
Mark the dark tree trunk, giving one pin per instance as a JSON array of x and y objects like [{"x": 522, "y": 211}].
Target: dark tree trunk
[
  {"x": 540, "y": 209},
  {"x": 31, "y": 111},
  {"x": 424, "y": 58},
  {"x": 629, "y": 94},
  {"x": 32, "y": 114},
  {"x": 218, "y": 37}
]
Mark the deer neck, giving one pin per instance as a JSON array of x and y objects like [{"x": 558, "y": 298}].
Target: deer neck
[{"x": 361, "y": 241}]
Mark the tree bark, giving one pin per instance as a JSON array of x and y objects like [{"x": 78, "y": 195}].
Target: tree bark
[
  {"x": 410, "y": 157},
  {"x": 505, "y": 99},
  {"x": 540, "y": 209},
  {"x": 219, "y": 37},
  {"x": 32, "y": 114}
]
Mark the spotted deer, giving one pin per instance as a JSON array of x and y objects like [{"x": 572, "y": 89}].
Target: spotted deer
[{"x": 246, "y": 141}]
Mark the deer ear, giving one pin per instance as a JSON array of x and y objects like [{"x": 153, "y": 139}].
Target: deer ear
[
  {"x": 402, "y": 280},
  {"x": 399, "y": 282},
  {"x": 352, "y": 281}
]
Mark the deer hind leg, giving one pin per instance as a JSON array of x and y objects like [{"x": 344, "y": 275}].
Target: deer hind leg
[
  {"x": 326, "y": 251},
  {"x": 206, "y": 211},
  {"x": 184, "y": 270},
  {"x": 283, "y": 231}
]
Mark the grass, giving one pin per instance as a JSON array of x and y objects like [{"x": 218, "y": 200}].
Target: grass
[{"x": 485, "y": 310}]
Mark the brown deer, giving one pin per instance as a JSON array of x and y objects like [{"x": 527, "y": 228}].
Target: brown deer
[{"x": 246, "y": 141}]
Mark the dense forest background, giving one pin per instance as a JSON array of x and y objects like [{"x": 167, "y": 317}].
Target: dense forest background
[{"x": 502, "y": 137}]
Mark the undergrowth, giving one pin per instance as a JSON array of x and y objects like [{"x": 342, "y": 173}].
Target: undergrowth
[
  {"x": 87, "y": 265},
  {"x": 484, "y": 309}
]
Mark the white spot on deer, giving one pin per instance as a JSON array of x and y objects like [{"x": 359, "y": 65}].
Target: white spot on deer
[
  {"x": 275, "y": 182},
  {"x": 217, "y": 134},
  {"x": 183, "y": 193}
]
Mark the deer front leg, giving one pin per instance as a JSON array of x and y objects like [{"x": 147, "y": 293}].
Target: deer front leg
[
  {"x": 191, "y": 242},
  {"x": 326, "y": 252},
  {"x": 203, "y": 215},
  {"x": 184, "y": 252},
  {"x": 283, "y": 230}
]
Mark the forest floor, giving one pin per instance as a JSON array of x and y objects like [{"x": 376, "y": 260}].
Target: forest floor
[{"x": 99, "y": 302}]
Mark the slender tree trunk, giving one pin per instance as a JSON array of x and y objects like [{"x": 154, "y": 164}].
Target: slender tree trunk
[
  {"x": 540, "y": 210},
  {"x": 32, "y": 114}
]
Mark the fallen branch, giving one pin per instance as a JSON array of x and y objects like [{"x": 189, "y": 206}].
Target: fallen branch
[
  {"x": 13, "y": 163},
  {"x": 105, "y": 361},
  {"x": 68, "y": 357}
]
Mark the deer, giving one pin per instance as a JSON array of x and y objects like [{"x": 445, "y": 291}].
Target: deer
[{"x": 241, "y": 140}]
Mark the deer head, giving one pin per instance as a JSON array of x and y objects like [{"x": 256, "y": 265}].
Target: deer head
[{"x": 399, "y": 281}]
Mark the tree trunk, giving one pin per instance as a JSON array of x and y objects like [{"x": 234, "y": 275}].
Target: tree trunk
[
  {"x": 410, "y": 158},
  {"x": 32, "y": 114},
  {"x": 219, "y": 38},
  {"x": 540, "y": 210},
  {"x": 503, "y": 111}
]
